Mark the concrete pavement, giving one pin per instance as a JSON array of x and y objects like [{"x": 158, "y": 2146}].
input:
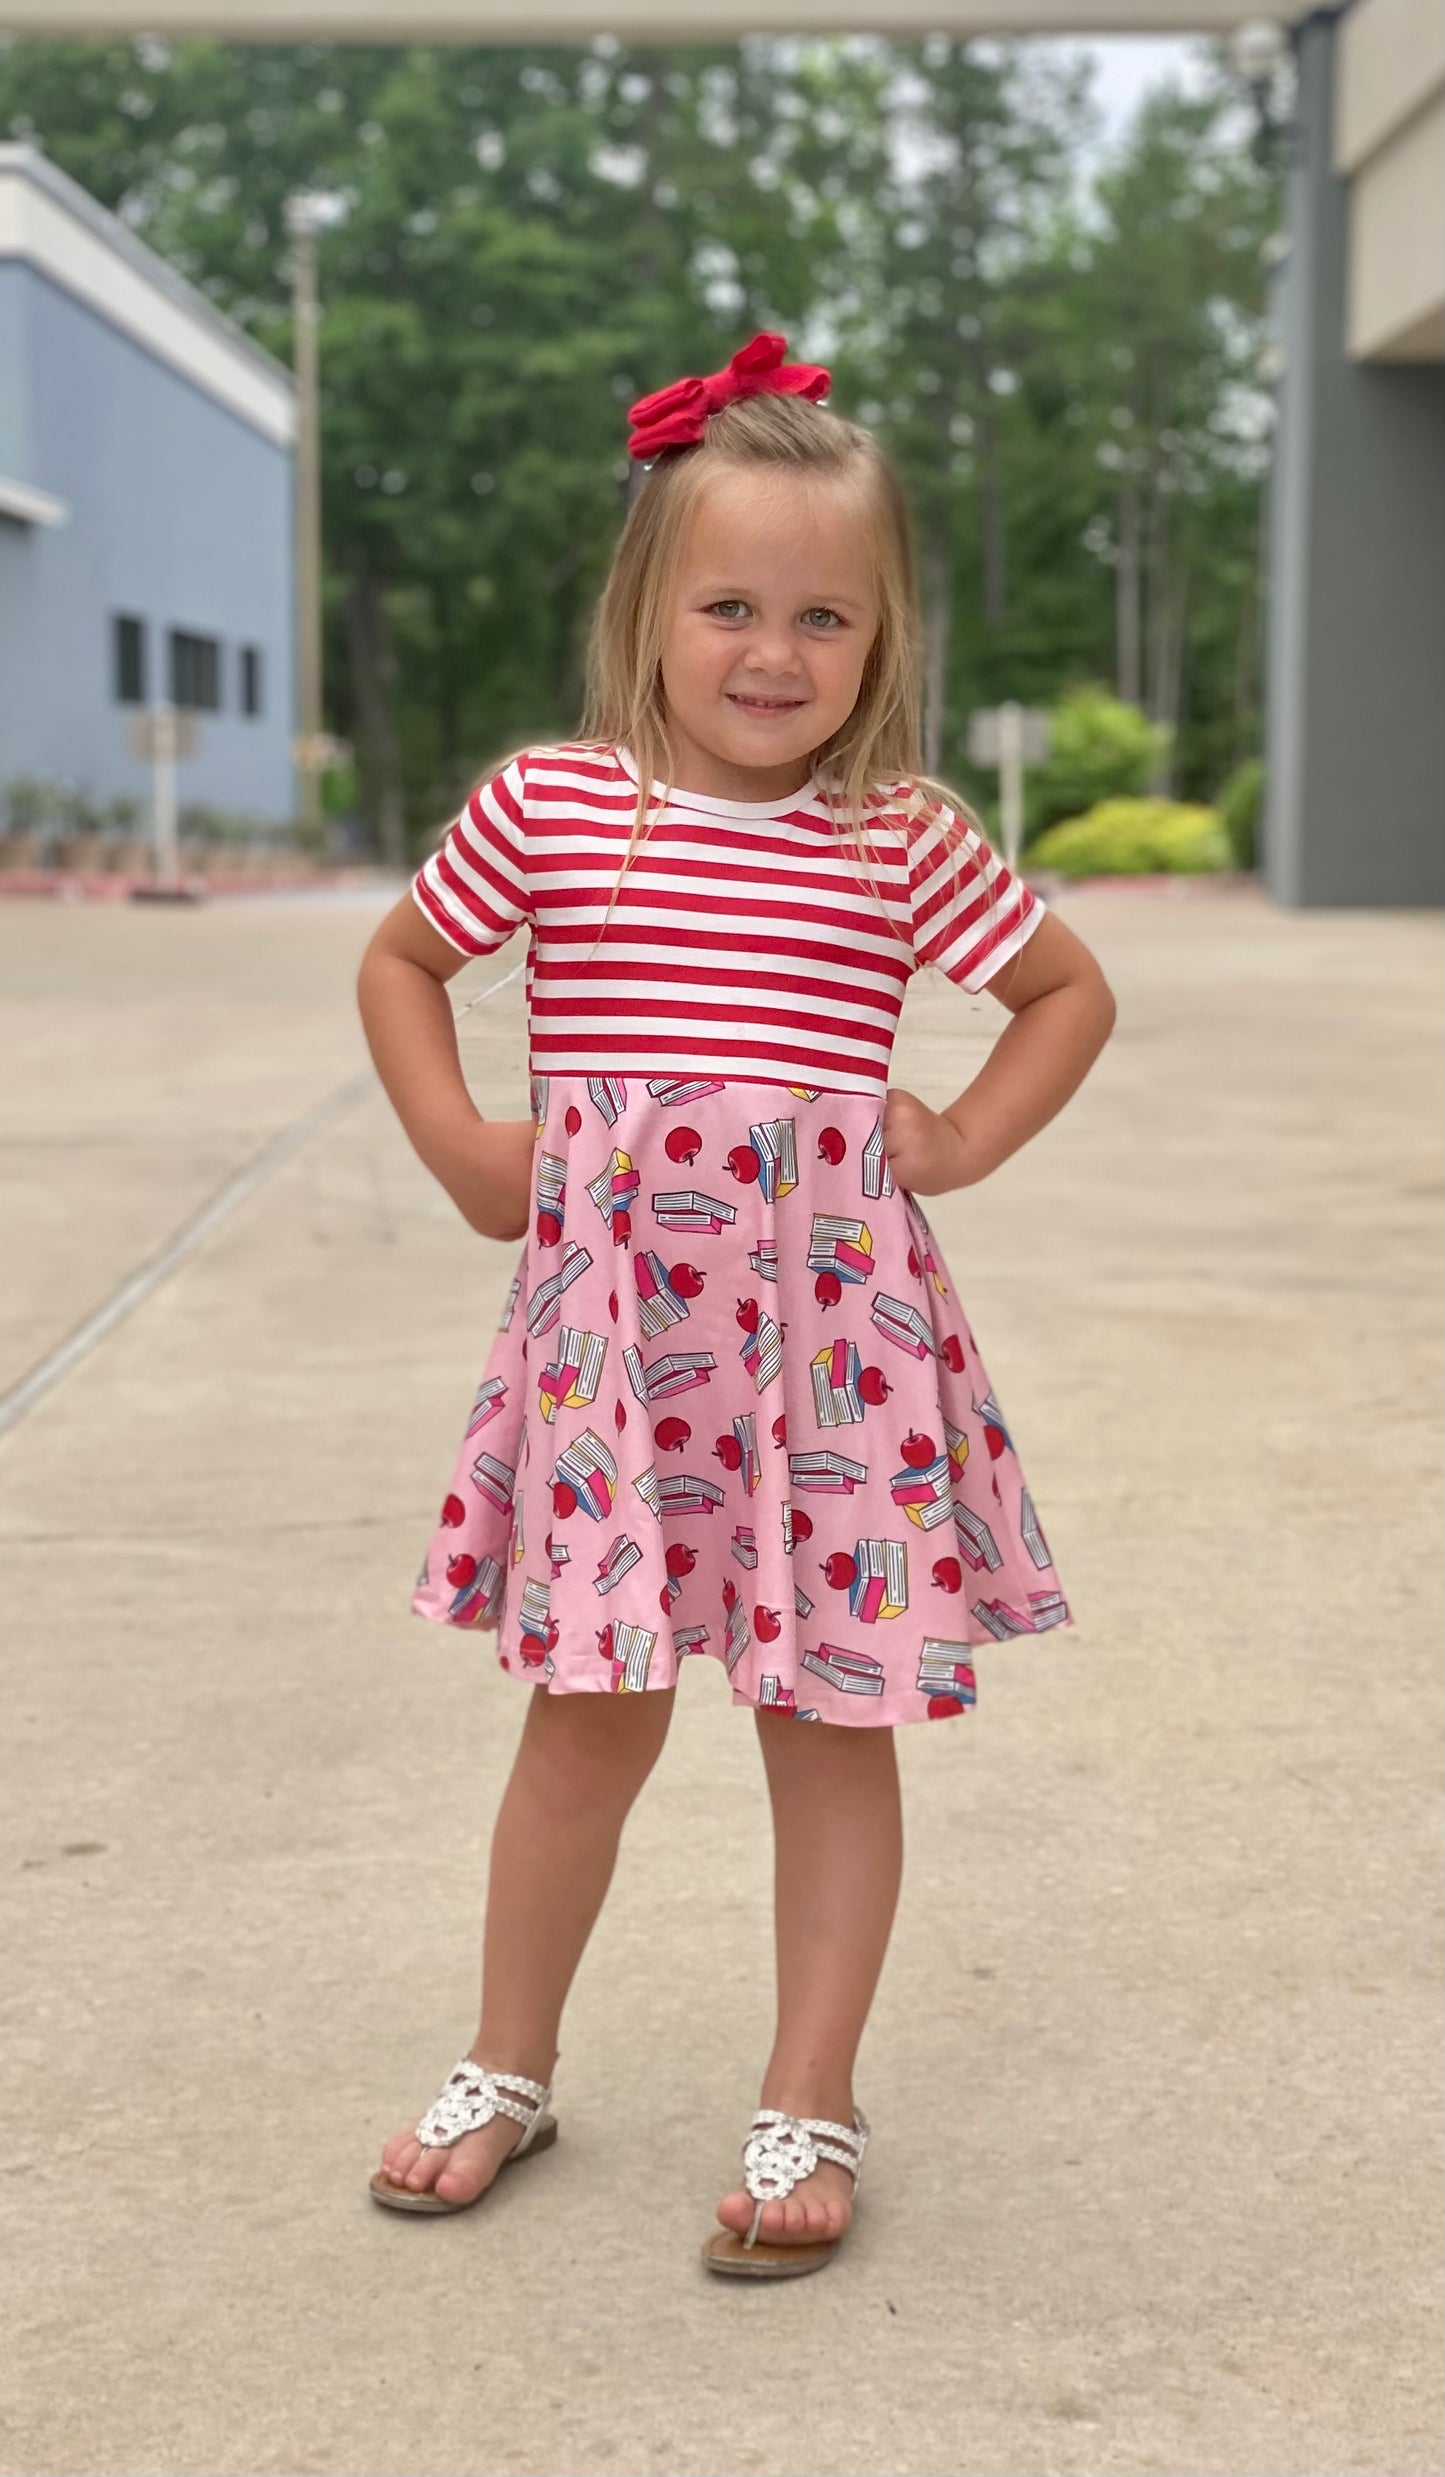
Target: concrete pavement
[{"x": 1153, "y": 2071}]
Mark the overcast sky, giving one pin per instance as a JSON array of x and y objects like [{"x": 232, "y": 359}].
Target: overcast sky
[{"x": 1127, "y": 64}]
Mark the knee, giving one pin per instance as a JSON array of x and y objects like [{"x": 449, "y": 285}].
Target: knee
[
  {"x": 597, "y": 1749},
  {"x": 824, "y": 1749}
]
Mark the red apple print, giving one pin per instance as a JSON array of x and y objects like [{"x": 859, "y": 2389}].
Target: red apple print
[
  {"x": 913, "y": 1264},
  {"x": 671, "y": 1434},
  {"x": 873, "y": 1385},
  {"x": 831, "y": 1145},
  {"x": 802, "y": 1524},
  {"x": 841, "y": 1570},
  {"x": 747, "y": 1315},
  {"x": 995, "y": 1440},
  {"x": 604, "y": 1643},
  {"x": 573, "y": 1121},
  {"x": 827, "y": 1290},
  {"x": 533, "y": 1654},
  {"x": 549, "y": 1229},
  {"x": 952, "y": 1352},
  {"x": 453, "y": 1512},
  {"x": 621, "y": 1229},
  {"x": 993, "y": 1483},
  {"x": 918, "y": 1451},
  {"x": 729, "y": 1453},
  {"x": 948, "y": 1574},
  {"x": 524, "y": 1350},
  {"x": 564, "y": 1498},
  {"x": 461, "y": 1570},
  {"x": 744, "y": 1164},
  {"x": 550, "y": 1638},
  {"x": 780, "y": 1429},
  {"x": 680, "y": 1560},
  {"x": 619, "y": 1416},
  {"x": 767, "y": 1624},
  {"x": 683, "y": 1144},
  {"x": 686, "y": 1281},
  {"x": 612, "y": 1305},
  {"x": 729, "y": 1594},
  {"x": 943, "y": 1706}
]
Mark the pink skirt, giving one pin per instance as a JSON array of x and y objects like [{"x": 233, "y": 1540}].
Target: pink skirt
[{"x": 733, "y": 1407}]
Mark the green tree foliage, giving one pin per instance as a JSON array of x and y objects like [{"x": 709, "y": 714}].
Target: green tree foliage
[
  {"x": 1099, "y": 749},
  {"x": 1240, "y": 802},
  {"x": 527, "y": 238},
  {"x": 1165, "y": 340}
]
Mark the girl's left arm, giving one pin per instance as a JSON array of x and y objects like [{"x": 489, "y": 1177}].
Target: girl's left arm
[{"x": 1063, "y": 1012}]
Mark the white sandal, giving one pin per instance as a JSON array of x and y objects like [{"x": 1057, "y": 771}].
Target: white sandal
[
  {"x": 472, "y": 2097},
  {"x": 778, "y": 2153}
]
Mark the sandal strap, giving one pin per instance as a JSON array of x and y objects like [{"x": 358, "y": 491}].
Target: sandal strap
[
  {"x": 782, "y": 2149},
  {"x": 472, "y": 2095},
  {"x": 854, "y": 2136}
]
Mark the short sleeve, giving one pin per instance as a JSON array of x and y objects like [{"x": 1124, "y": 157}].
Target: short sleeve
[
  {"x": 970, "y": 912},
  {"x": 474, "y": 887}
]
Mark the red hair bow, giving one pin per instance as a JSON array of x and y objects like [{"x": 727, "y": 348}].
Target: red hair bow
[{"x": 676, "y": 416}]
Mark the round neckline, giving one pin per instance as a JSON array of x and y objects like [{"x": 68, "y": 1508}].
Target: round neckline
[{"x": 810, "y": 795}]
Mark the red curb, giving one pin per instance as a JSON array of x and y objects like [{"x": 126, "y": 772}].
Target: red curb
[{"x": 95, "y": 886}]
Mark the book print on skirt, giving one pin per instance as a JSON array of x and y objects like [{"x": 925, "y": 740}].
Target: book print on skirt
[{"x": 733, "y": 1408}]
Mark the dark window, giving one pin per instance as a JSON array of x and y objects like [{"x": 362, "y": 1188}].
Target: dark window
[
  {"x": 129, "y": 654},
  {"x": 195, "y": 672},
  {"x": 250, "y": 679}
]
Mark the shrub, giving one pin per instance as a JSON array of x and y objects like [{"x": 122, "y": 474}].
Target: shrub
[
  {"x": 201, "y": 823},
  {"x": 53, "y": 815},
  {"x": 31, "y": 801},
  {"x": 1135, "y": 838},
  {"x": 1241, "y": 803},
  {"x": 1101, "y": 750}
]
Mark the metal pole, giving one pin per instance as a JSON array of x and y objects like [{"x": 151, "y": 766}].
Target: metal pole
[
  {"x": 301, "y": 223},
  {"x": 1011, "y": 779},
  {"x": 163, "y": 723}
]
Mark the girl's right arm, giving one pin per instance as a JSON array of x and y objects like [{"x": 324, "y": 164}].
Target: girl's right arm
[{"x": 485, "y": 1164}]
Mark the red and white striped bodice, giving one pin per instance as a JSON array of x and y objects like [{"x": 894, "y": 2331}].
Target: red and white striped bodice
[{"x": 744, "y": 942}]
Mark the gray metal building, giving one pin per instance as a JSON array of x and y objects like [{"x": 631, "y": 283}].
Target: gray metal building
[
  {"x": 145, "y": 512},
  {"x": 1355, "y": 737}
]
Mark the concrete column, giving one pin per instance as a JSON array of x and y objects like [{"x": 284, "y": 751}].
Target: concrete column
[{"x": 1355, "y": 699}]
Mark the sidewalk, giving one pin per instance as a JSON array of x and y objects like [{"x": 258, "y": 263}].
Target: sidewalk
[{"x": 1155, "y": 2054}]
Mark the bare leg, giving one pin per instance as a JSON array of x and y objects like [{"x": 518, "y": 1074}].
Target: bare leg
[
  {"x": 580, "y": 1762},
  {"x": 838, "y": 1861}
]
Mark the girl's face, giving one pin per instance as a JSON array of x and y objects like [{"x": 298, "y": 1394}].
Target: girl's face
[{"x": 773, "y": 616}]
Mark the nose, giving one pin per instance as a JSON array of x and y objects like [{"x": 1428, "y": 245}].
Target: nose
[{"x": 772, "y": 658}]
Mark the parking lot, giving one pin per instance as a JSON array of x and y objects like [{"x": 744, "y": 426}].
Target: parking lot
[{"x": 1153, "y": 2069}]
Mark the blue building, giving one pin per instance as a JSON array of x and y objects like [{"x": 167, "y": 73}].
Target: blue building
[{"x": 145, "y": 512}]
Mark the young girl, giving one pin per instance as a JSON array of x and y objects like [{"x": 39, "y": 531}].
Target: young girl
[{"x": 734, "y": 1408}]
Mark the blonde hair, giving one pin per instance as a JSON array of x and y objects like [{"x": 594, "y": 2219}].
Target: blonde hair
[{"x": 873, "y": 758}]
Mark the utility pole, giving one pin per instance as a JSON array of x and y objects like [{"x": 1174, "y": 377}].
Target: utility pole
[{"x": 305, "y": 215}]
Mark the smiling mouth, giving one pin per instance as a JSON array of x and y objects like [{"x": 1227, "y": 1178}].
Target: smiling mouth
[{"x": 765, "y": 705}]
